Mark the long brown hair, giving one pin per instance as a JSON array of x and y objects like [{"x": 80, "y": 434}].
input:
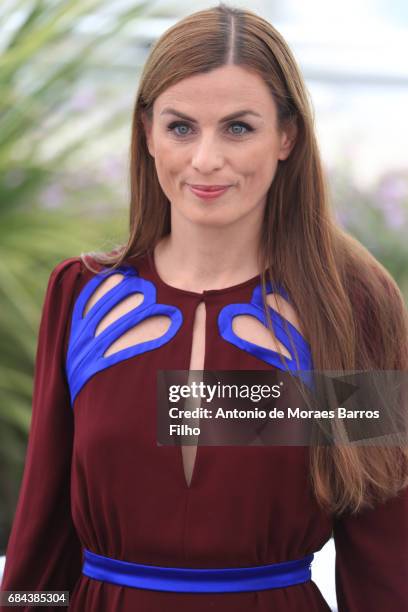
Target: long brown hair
[{"x": 349, "y": 307}]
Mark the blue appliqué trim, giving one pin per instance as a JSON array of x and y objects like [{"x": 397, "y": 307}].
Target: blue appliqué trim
[
  {"x": 255, "y": 309},
  {"x": 85, "y": 351}
]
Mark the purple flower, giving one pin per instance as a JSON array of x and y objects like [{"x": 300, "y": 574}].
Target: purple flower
[
  {"x": 112, "y": 168},
  {"x": 394, "y": 213},
  {"x": 83, "y": 100},
  {"x": 343, "y": 217},
  {"x": 393, "y": 189},
  {"x": 52, "y": 196}
]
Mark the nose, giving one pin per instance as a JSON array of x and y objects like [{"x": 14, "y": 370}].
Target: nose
[{"x": 207, "y": 155}]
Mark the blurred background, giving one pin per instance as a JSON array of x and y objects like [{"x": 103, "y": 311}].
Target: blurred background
[{"x": 69, "y": 72}]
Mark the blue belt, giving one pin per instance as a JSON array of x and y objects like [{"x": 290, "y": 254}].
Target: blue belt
[{"x": 189, "y": 580}]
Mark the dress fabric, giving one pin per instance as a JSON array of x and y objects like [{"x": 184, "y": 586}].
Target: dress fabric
[{"x": 95, "y": 477}]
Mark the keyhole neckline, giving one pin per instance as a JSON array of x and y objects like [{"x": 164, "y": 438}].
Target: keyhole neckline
[{"x": 254, "y": 280}]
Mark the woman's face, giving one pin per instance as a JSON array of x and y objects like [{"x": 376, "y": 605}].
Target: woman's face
[{"x": 205, "y": 148}]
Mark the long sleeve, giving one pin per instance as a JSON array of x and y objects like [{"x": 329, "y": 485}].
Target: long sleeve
[
  {"x": 43, "y": 551},
  {"x": 372, "y": 558}
]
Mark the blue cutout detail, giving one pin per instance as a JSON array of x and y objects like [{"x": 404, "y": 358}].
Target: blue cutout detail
[
  {"x": 255, "y": 309},
  {"x": 85, "y": 351}
]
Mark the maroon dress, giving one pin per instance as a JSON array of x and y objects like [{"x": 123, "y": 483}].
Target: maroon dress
[{"x": 95, "y": 478}]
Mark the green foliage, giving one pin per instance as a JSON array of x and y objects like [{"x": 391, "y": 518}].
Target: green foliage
[
  {"x": 42, "y": 63},
  {"x": 377, "y": 216}
]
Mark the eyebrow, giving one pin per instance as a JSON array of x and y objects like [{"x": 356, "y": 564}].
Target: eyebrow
[{"x": 173, "y": 111}]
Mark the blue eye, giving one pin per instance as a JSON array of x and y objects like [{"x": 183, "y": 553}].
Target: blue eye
[
  {"x": 173, "y": 127},
  {"x": 241, "y": 125},
  {"x": 181, "y": 124}
]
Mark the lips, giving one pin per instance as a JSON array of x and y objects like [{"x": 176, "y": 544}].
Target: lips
[
  {"x": 210, "y": 192},
  {"x": 209, "y": 187}
]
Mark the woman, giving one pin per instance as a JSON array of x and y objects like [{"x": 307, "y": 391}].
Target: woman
[{"x": 100, "y": 500}]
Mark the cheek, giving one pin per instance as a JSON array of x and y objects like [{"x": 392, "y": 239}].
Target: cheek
[
  {"x": 260, "y": 168},
  {"x": 259, "y": 157},
  {"x": 169, "y": 160}
]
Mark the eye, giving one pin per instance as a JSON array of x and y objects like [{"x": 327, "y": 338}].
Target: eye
[
  {"x": 177, "y": 124},
  {"x": 181, "y": 124},
  {"x": 241, "y": 125}
]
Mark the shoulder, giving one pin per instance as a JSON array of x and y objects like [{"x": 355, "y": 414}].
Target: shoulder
[
  {"x": 65, "y": 282},
  {"x": 73, "y": 271},
  {"x": 61, "y": 285},
  {"x": 380, "y": 313},
  {"x": 368, "y": 283},
  {"x": 66, "y": 269},
  {"x": 72, "y": 281},
  {"x": 374, "y": 291}
]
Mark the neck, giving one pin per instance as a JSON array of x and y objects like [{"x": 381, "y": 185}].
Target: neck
[{"x": 206, "y": 259}]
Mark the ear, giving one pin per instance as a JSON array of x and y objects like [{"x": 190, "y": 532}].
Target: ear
[
  {"x": 147, "y": 126},
  {"x": 288, "y": 139}
]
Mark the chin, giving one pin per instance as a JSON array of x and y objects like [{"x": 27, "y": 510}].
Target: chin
[{"x": 217, "y": 219}]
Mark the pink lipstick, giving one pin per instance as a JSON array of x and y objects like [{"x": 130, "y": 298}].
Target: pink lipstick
[{"x": 209, "y": 192}]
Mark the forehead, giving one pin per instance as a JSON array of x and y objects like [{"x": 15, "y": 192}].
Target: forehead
[{"x": 228, "y": 87}]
